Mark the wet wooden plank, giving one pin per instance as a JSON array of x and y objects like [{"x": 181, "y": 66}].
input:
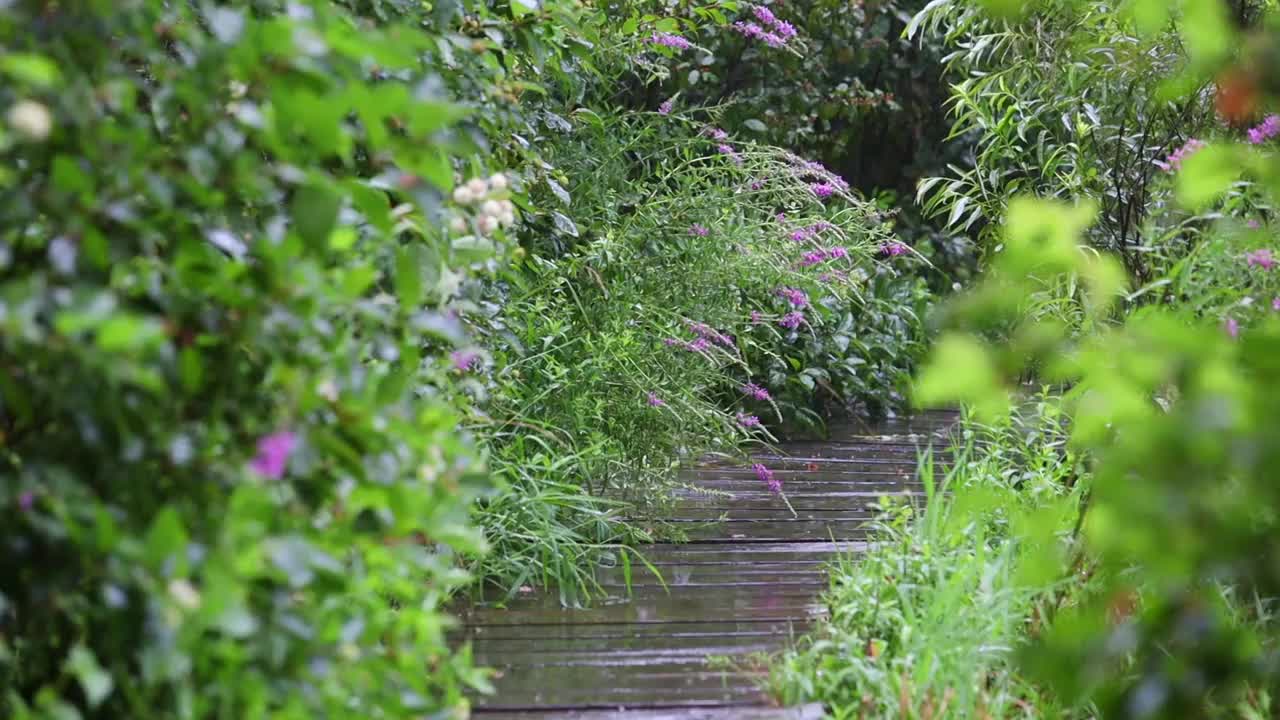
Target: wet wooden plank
[
  {"x": 747, "y": 582},
  {"x": 572, "y": 687},
  {"x": 807, "y": 712}
]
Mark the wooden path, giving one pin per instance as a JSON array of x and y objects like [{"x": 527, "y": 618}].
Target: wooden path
[{"x": 746, "y": 582}]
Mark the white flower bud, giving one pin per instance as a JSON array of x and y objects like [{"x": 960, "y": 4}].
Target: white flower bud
[
  {"x": 185, "y": 594},
  {"x": 498, "y": 182},
  {"x": 458, "y": 224},
  {"x": 477, "y": 187},
  {"x": 328, "y": 390},
  {"x": 487, "y": 224},
  {"x": 491, "y": 207},
  {"x": 463, "y": 195},
  {"x": 507, "y": 206},
  {"x": 507, "y": 219},
  {"x": 31, "y": 119},
  {"x": 237, "y": 89}
]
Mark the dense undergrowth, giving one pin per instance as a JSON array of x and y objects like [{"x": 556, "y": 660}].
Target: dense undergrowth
[
  {"x": 1110, "y": 560},
  {"x": 314, "y": 313}
]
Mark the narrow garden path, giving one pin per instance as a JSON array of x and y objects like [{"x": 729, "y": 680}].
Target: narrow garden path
[{"x": 746, "y": 584}]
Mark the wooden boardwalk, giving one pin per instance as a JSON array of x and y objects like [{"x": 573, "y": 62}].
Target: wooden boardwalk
[{"x": 746, "y": 582}]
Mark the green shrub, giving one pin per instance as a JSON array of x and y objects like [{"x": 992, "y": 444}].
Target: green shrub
[
  {"x": 631, "y": 335},
  {"x": 220, "y": 338},
  {"x": 929, "y": 620}
]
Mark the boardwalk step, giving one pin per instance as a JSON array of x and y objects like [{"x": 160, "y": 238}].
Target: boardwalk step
[{"x": 748, "y": 581}]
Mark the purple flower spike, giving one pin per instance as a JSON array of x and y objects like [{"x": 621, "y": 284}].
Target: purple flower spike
[
  {"x": 1269, "y": 128},
  {"x": 654, "y": 400},
  {"x": 748, "y": 421},
  {"x": 797, "y": 298},
  {"x": 764, "y": 15},
  {"x": 893, "y": 249},
  {"x": 813, "y": 257},
  {"x": 1231, "y": 327},
  {"x": 698, "y": 230},
  {"x": 665, "y": 107},
  {"x": 1275, "y": 304},
  {"x": 1262, "y": 258},
  {"x": 822, "y": 190},
  {"x": 791, "y": 321},
  {"x": 1173, "y": 163},
  {"x": 766, "y": 476},
  {"x": 273, "y": 454},
  {"x": 26, "y": 501},
  {"x": 669, "y": 40},
  {"x": 464, "y": 360},
  {"x": 756, "y": 392},
  {"x": 756, "y": 317}
]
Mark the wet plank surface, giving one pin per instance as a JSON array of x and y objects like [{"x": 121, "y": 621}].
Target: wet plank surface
[{"x": 678, "y": 645}]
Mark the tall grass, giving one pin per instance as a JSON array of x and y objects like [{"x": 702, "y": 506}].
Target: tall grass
[
  {"x": 622, "y": 345},
  {"x": 927, "y": 622}
]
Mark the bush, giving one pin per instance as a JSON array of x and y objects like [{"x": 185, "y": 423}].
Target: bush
[
  {"x": 701, "y": 293},
  {"x": 221, "y": 338}
]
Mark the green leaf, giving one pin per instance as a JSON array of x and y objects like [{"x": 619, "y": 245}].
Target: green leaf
[
  {"x": 126, "y": 332},
  {"x": 962, "y": 370},
  {"x": 315, "y": 211},
  {"x": 95, "y": 681},
  {"x": 408, "y": 278},
  {"x": 1206, "y": 174},
  {"x": 31, "y": 68},
  {"x": 755, "y": 125}
]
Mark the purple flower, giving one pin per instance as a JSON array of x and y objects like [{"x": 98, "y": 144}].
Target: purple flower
[
  {"x": 781, "y": 217},
  {"x": 1173, "y": 163},
  {"x": 464, "y": 360},
  {"x": 1253, "y": 225},
  {"x": 1269, "y": 128},
  {"x": 764, "y": 15},
  {"x": 273, "y": 454},
  {"x": 665, "y": 107},
  {"x": 800, "y": 235},
  {"x": 893, "y": 249},
  {"x": 797, "y": 298},
  {"x": 785, "y": 29},
  {"x": 654, "y": 400},
  {"x": 748, "y": 421},
  {"x": 837, "y": 252},
  {"x": 1275, "y": 304},
  {"x": 1231, "y": 327},
  {"x": 728, "y": 150},
  {"x": 813, "y": 257},
  {"x": 707, "y": 332},
  {"x": 669, "y": 40},
  {"x": 717, "y": 134},
  {"x": 26, "y": 501},
  {"x": 758, "y": 184},
  {"x": 698, "y": 230},
  {"x": 671, "y": 342},
  {"x": 756, "y": 317},
  {"x": 1262, "y": 258},
  {"x": 698, "y": 345},
  {"x": 791, "y": 321},
  {"x": 766, "y": 476},
  {"x": 822, "y": 190},
  {"x": 755, "y": 391}
]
